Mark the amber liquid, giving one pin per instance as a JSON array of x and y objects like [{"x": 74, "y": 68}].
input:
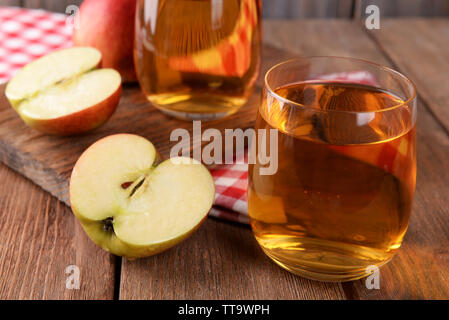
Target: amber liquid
[
  {"x": 341, "y": 198},
  {"x": 198, "y": 59}
]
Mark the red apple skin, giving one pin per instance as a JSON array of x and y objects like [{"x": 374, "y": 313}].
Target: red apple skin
[
  {"x": 79, "y": 122},
  {"x": 108, "y": 25}
]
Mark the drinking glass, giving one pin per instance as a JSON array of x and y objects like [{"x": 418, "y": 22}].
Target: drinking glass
[
  {"x": 340, "y": 200},
  {"x": 198, "y": 59}
]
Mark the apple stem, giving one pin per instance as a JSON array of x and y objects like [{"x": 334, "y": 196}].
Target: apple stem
[{"x": 108, "y": 225}]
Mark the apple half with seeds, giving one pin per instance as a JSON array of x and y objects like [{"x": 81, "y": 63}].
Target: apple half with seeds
[
  {"x": 63, "y": 93},
  {"x": 133, "y": 205}
]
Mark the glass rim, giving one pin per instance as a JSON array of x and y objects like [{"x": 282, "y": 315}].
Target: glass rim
[{"x": 411, "y": 84}]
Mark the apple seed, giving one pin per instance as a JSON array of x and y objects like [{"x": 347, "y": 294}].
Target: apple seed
[{"x": 137, "y": 186}]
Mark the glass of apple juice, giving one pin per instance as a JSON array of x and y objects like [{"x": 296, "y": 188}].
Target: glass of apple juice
[
  {"x": 340, "y": 200},
  {"x": 198, "y": 59}
]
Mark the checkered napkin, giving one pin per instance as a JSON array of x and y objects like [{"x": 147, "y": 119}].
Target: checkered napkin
[
  {"x": 29, "y": 34},
  {"x": 231, "y": 182}
]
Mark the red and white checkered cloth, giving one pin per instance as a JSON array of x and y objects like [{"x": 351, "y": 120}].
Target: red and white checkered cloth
[
  {"x": 29, "y": 34},
  {"x": 26, "y": 35},
  {"x": 231, "y": 182}
]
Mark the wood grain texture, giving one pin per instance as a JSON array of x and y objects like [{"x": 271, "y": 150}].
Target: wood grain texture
[
  {"x": 39, "y": 238},
  {"x": 51, "y": 5},
  {"x": 307, "y": 9},
  {"x": 330, "y": 37},
  {"x": 404, "y": 8},
  {"x": 48, "y": 160},
  {"x": 420, "y": 271},
  {"x": 220, "y": 261},
  {"x": 288, "y": 9},
  {"x": 420, "y": 48},
  {"x": 16, "y": 3}
]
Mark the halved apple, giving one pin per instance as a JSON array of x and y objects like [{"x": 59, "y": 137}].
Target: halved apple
[
  {"x": 62, "y": 93},
  {"x": 131, "y": 204}
]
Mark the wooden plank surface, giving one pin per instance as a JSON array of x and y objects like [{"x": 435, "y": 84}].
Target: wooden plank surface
[
  {"x": 52, "y": 5},
  {"x": 307, "y": 9},
  {"x": 421, "y": 268},
  {"x": 48, "y": 160},
  {"x": 422, "y": 265},
  {"x": 16, "y": 3},
  {"x": 404, "y": 8},
  {"x": 39, "y": 239},
  {"x": 420, "y": 48},
  {"x": 288, "y": 9},
  {"x": 220, "y": 261}
]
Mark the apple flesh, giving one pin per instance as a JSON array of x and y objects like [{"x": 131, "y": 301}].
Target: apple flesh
[
  {"x": 63, "y": 94},
  {"x": 131, "y": 204},
  {"x": 68, "y": 109},
  {"x": 108, "y": 25},
  {"x": 49, "y": 70}
]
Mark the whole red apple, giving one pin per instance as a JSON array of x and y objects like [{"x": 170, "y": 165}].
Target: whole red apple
[{"x": 108, "y": 25}]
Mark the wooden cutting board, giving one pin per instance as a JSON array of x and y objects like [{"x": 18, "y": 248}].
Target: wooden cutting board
[{"x": 48, "y": 160}]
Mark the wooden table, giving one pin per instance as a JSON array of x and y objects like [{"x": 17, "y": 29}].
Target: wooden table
[{"x": 39, "y": 236}]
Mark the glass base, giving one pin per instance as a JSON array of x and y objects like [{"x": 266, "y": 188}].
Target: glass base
[
  {"x": 195, "y": 116},
  {"x": 324, "y": 260},
  {"x": 197, "y": 106}
]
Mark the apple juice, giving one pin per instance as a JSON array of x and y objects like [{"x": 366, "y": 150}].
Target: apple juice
[
  {"x": 341, "y": 198},
  {"x": 198, "y": 59}
]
